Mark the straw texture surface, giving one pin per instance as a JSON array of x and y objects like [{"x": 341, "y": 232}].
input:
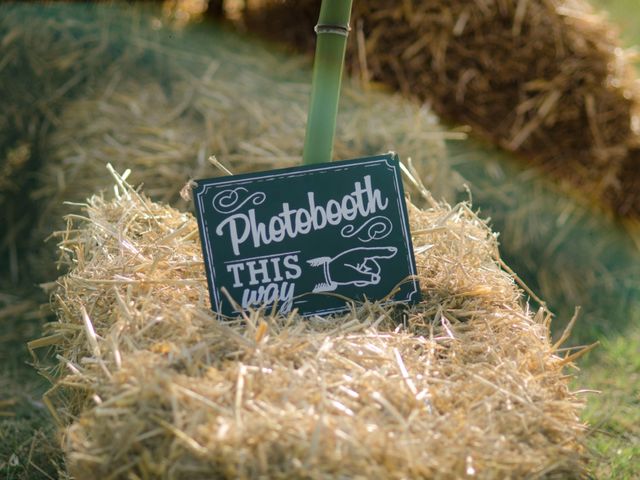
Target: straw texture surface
[{"x": 149, "y": 383}]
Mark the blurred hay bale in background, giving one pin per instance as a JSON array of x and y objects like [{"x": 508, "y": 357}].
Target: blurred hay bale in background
[
  {"x": 151, "y": 383},
  {"x": 568, "y": 254},
  {"x": 473, "y": 65},
  {"x": 48, "y": 57},
  {"x": 169, "y": 137},
  {"x": 547, "y": 79},
  {"x": 239, "y": 101}
]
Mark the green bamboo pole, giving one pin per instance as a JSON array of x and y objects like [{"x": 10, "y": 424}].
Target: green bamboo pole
[{"x": 332, "y": 30}]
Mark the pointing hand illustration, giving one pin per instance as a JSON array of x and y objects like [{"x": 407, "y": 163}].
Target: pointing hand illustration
[{"x": 358, "y": 266}]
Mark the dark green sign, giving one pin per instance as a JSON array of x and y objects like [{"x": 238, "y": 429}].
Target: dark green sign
[{"x": 307, "y": 237}]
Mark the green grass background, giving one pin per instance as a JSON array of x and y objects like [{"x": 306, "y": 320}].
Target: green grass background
[{"x": 615, "y": 367}]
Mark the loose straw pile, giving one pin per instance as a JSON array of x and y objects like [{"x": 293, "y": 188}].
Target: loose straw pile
[
  {"x": 150, "y": 383},
  {"x": 545, "y": 78}
]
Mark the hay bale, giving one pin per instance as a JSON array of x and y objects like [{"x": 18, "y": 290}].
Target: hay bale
[
  {"x": 150, "y": 383},
  {"x": 168, "y": 138},
  {"x": 547, "y": 79},
  {"x": 50, "y": 53}
]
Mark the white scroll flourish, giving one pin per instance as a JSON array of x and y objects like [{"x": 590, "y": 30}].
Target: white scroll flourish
[
  {"x": 229, "y": 201},
  {"x": 375, "y": 228}
]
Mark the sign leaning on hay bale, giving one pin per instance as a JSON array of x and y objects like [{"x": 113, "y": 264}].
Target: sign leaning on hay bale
[{"x": 310, "y": 238}]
